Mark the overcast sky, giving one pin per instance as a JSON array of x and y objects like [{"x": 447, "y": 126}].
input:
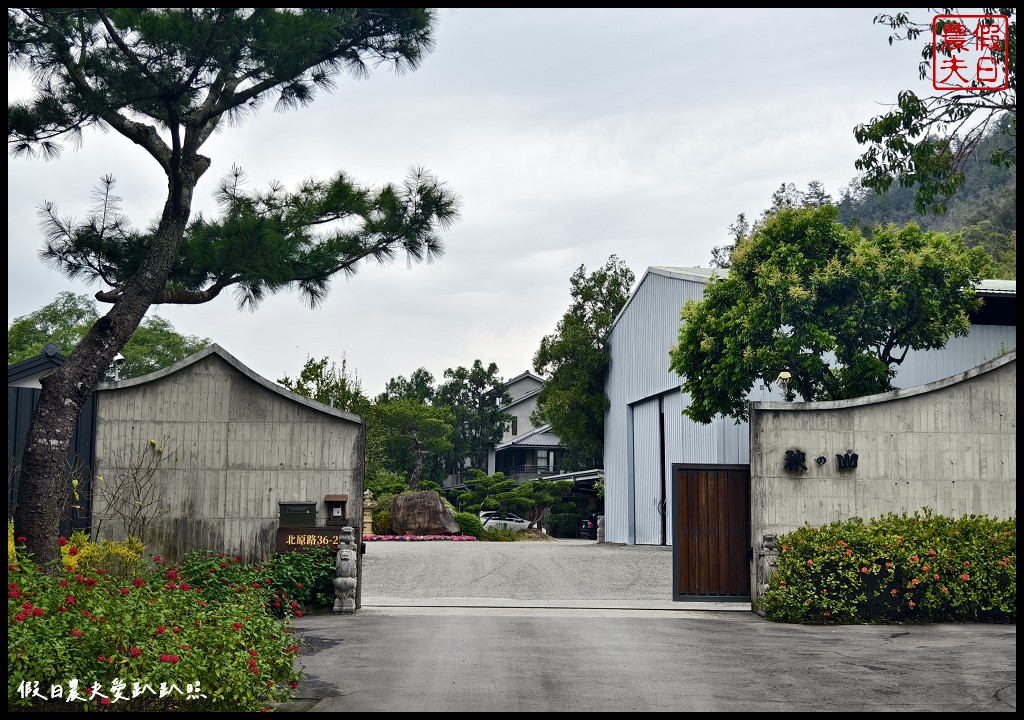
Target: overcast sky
[{"x": 570, "y": 135}]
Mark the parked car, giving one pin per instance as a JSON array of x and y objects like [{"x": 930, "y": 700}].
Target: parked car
[
  {"x": 493, "y": 519},
  {"x": 588, "y": 526}
]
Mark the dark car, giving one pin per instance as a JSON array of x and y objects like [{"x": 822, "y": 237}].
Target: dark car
[{"x": 588, "y": 526}]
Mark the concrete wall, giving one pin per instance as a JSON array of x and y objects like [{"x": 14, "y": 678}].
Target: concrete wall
[
  {"x": 240, "y": 445},
  {"x": 950, "y": 446}
]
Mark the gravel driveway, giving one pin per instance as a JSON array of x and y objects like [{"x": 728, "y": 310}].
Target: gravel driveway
[{"x": 556, "y": 573}]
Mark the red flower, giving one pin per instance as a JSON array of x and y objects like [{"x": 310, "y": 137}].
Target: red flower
[
  {"x": 20, "y": 617},
  {"x": 72, "y": 550},
  {"x": 135, "y": 652},
  {"x": 75, "y": 632},
  {"x": 156, "y": 558},
  {"x": 893, "y": 591},
  {"x": 914, "y": 558},
  {"x": 810, "y": 562},
  {"x": 175, "y": 629},
  {"x": 104, "y": 701},
  {"x": 256, "y": 585},
  {"x": 293, "y": 684},
  {"x": 26, "y": 606},
  {"x": 38, "y": 612},
  {"x": 298, "y": 585},
  {"x": 125, "y": 591},
  {"x": 186, "y": 586},
  {"x": 236, "y": 627},
  {"x": 965, "y": 577},
  {"x": 138, "y": 582},
  {"x": 966, "y": 564},
  {"x": 160, "y": 629},
  {"x": 22, "y": 539},
  {"x": 62, "y": 541},
  {"x": 296, "y": 604},
  {"x": 171, "y": 575},
  {"x": 171, "y": 586},
  {"x": 101, "y": 658},
  {"x": 69, "y": 600},
  {"x": 911, "y": 604},
  {"x": 223, "y": 564},
  {"x": 184, "y": 647},
  {"x": 298, "y": 613},
  {"x": 864, "y": 570},
  {"x": 252, "y": 662},
  {"x": 932, "y": 552}
]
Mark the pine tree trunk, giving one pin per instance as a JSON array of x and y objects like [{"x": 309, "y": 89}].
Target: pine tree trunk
[{"x": 41, "y": 488}]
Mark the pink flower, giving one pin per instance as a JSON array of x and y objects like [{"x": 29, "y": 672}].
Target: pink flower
[
  {"x": 864, "y": 570},
  {"x": 965, "y": 577},
  {"x": 810, "y": 562}
]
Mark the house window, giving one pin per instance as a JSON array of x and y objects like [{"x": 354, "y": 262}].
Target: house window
[{"x": 515, "y": 426}]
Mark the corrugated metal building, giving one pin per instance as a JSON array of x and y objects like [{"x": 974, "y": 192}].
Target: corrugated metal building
[{"x": 645, "y": 431}]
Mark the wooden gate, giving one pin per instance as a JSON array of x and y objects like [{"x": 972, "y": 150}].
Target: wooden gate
[{"x": 711, "y": 532}]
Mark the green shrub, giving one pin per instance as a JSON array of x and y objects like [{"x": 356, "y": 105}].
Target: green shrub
[
  {"x": 469, "y": 524},
  {"x": 564, "y": 525},
  {"x": 896, "y": 569},
  {"x": 501, "y": 534},
  {"x": 220, "y": 650},
  {"x": 295, "y": 579},
  {"x": 382, "y": 521}
]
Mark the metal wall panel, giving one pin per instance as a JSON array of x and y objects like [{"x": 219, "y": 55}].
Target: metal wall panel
[{"x": 648, "y": 507}]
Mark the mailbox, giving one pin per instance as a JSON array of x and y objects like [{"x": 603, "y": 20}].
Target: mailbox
[
  {"x": 337, "y": 513},
  {"x": 297, "y": 514}
]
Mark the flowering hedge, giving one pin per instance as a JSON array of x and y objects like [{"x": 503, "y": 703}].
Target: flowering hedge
[
  {"x": 160, "y": 639},
  {"x": 415, "y": 538},
  {"x": 897, "y": 569}
]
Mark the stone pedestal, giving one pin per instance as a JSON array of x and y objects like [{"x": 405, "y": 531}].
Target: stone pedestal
[{"x": 346, "y": 572}]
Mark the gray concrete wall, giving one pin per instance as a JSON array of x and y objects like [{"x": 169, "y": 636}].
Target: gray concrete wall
[
  {"x": 950, "y": 446},
  {"x": 239, "y": 445}
]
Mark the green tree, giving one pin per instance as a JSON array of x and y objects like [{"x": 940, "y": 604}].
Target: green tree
[
  {"x": 835, "y": 309},
  {"x": 575, "y": 359},
  {"x": 419, "y": 386},
  {"x": 496, "y": 492},
  {"x": 409, "y": 430},
  {"x": 923, "y": 143},
  {"x": 475, "y": 396},
  {"x": 154, "y": 345},
  {"x": 329, "y": 384},
  {"x": 166, "y": 79}
]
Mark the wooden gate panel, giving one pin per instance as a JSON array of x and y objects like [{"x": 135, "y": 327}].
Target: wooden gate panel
[{"x": 711, "y": 524}]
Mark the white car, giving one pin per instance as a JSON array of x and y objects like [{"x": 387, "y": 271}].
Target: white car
[{"x": 494, "y": 519}]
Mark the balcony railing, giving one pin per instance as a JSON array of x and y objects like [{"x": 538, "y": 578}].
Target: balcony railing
[{"x": 528, "y": 472}]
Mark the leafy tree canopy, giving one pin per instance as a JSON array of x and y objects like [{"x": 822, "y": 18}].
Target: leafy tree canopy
[
  {"x": 923, "y": 143},
  {"x": 409, "y": 430},
  {"x": 419, "y": 386},
  {"x": 835, "y": 309},
  {"x": 154, "y": 345},
  {"x": 575, "y": 359},
  {"x": 329, "y": 384},
  {"x": 475, "y": 396}
]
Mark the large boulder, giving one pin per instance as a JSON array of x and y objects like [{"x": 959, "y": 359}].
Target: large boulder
[{"x": 421, "y": 513}]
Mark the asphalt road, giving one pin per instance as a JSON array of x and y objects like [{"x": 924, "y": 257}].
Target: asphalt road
[{"x": 574, "y": 626}]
